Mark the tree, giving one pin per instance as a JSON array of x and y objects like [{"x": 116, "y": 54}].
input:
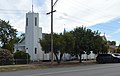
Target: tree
[
  {"x": 6, "y": 58},
  {"x": 75, "y": 43},
  {"x": 57, "y": 46},
  {"x": 80, "y": 41},
  {"x": 86, "y": 40},
  {"x": 68, "y": 42},
  {"x": 105, "y": 47},
  {"x": 118, "y": 49},
  {"x": 45, "y": 43},
  {"x": 112, "y": 42},
  {"x": 89, "y": 35},
  {"x": 7, "y": 35},
  {"x": 21, "y": 57},
  {"x": 99, "y": 43},
  {"x": 57, "y": 39},
  {"x": 62, "y": 43},
  {"x": 83, "y": 41}
]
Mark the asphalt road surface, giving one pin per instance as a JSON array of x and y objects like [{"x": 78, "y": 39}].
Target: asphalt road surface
[{"x": 86, "y": 70}]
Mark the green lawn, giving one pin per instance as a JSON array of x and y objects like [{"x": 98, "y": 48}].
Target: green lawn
[
  {"x": 43, "y": 65},
  {"x": 21, "y": 67}
]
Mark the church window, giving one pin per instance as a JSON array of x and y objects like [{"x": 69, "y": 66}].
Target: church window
[
  {"x": 26, "y": 21},
  {"x": 35, "y": 50},
  {"x": 35, "y": 21}
]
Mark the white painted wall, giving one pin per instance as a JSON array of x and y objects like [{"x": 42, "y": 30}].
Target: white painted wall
[{"x": 32, "y": 35}]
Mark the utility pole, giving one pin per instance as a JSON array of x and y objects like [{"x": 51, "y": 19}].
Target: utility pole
[
  {"x": 52, "y": 32},
  {"x": 52, "y": 5}
]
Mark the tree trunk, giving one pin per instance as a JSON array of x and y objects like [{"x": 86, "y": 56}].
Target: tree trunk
[
  {"x": 80, "y": 60},
  {"x": 57, "y": 58},
  {"x": 61, "y": 55}
]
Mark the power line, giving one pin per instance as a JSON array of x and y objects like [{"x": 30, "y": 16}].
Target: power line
[
  {"x": 78, "y": 20},
  {"x": 7, "y": 11},
  {"x": 82, "y": 5},
  {"x": 12, "y": 10},
  {"x": 109, "y": 28},
  {"x": 55, "y": 3},
  {"x": 18, "y": 13}
]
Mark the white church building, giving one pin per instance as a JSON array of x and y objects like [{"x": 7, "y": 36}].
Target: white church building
[{"x": 33, "y": 33}]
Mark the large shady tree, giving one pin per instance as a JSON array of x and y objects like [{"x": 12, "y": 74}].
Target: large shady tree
[
  {"x": 87, "y": 40},
  {"x": 46, "y": 44},
  {"x": 62, "y": 43},
  {"x": 7, "y": 35}
]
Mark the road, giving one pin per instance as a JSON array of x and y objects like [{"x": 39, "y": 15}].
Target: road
[{"x": 85, "y": 70}]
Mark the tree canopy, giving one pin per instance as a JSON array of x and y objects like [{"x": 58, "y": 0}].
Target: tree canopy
[
  {"x": 118, "y": 49},
  {"x": 7, "y": 35},
  {"x": 75, "y": 42},
  {"x": 112, "y": 42},
  {"x": 6, "y": 58}
]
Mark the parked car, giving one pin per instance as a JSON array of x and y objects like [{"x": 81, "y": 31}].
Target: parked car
[
  {"x": 108, "y": 58},
  {"x": 116, "y": 55}
]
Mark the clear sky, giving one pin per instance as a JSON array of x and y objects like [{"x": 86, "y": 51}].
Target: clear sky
[{"x": 102, "y": 15}]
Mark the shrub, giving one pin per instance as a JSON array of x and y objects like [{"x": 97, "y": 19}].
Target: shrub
[
  {"x": 21, "y": 57},
  {"x": 6, "y": 58}
]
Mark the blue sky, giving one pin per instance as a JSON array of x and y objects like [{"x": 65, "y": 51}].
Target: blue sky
[
  {"x": 102, "y": 15},
  {"x": 110, "y": 28}
]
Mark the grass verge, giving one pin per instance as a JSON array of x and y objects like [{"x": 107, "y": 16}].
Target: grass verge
[
  {"x": 44, "y": 65},
  {"x": 20, "y": 67}
]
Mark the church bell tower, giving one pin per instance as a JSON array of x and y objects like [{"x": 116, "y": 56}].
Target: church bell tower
[{"x": 32, "y": 35}]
